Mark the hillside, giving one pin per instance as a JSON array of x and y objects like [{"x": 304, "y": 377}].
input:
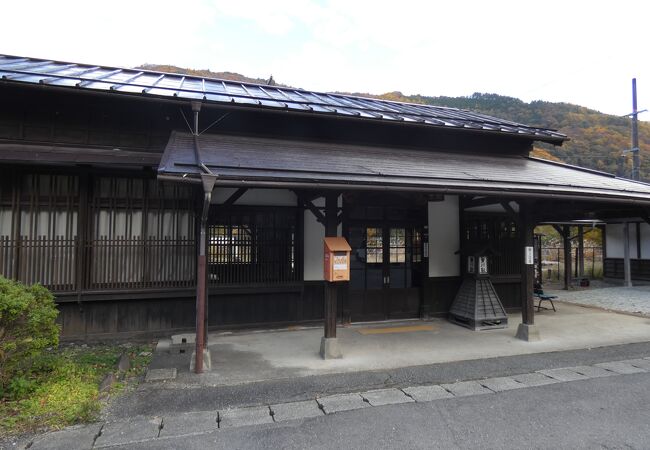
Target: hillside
[
  {"x": 597, "y": 139},
  {"x": 232, "y": 76}
]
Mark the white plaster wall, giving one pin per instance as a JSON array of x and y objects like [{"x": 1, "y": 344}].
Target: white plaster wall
[
  {"x": 614, "y": 241},
  {"x": 645, "y": 241},
  {"x": 444, "y": 238},
  {"x": 260, "y": 197},
  {"x": 313, "y": 245}
]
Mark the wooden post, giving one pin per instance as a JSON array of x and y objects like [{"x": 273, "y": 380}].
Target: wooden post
[
  {"x": 566, "y": 239},
  {"x": 331, "y": 230},
  {"x": 527, "y": 330},
  {"x": 329, "y": 348},
  {"x": 581, "y": 251},
  {"x": 626, "y": 255},
  {"x": 528, "y": 270},
  {"x": 202, "y": 276},
  {"x": 540, "y": 266}
]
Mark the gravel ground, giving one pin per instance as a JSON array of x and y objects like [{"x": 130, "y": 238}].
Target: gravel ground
[{"x": 630, "y": 300}]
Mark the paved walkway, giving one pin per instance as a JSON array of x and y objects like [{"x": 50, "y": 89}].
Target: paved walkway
[
  {"x": 144, "y": 429},
  {"x": 247, "y": 357},
  {"x": 634, "y": 300}
]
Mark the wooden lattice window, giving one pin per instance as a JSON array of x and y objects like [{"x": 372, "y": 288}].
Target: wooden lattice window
[
  {"x": 259, "y": 246},
  {"x": 38, "y": 228},
  {"x": 501, "y": 234},
  {"x": 142, "y": 234}
]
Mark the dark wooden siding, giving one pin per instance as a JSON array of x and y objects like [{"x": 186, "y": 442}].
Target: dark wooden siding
[
  {"x": 613, "y": 268},
  {"x": 109, "y": 317}
]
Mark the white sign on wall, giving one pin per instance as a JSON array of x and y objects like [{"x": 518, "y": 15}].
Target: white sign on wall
[{"x": 530, "y": 259}]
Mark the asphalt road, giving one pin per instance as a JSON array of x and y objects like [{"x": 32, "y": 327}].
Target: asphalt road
[
  {"x": 158, "y": 399},
  {"x": 612, "y": 412}
]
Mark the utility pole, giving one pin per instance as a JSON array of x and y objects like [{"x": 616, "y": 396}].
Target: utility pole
[
  {"x": 635, "y": 135},
  {"x": 636, "y": 163}
]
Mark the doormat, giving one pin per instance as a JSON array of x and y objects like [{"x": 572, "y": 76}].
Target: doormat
[{"x": 404, "y": 329}]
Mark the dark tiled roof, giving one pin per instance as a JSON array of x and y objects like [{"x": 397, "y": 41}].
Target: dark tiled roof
[
  {"x": 157, "y": 84},
  {"x": 272, "y": 160}
]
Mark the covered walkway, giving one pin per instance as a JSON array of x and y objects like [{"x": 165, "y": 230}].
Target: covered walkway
[{"x": 245, "y": 357}]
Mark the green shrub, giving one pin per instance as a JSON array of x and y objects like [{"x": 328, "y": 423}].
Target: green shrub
[{"x": 27, "y": 326}]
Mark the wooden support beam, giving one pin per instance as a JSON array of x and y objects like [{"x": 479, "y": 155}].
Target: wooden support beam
[
  {"x": 235, "y": 196},
  {"x": 527, "y": 239},
  {"x": 511, "y": 212},
  {"x": 308, "y": 204},
  {"x": 581, "y": 251},
  {"x": 331, "y": 230},
  {"x": 566, "y": 231},
  {"x": 627, "y": 271},
  {"x": 202, "y": 273},
  {"x": 482, "y": 201}
]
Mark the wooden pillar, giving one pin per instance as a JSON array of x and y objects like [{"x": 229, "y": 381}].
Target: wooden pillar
[
  {"x": 202, "y": 276},
  {"x": 527, "y": 330},
  {"x": 627, "y": 272},
  {"x": 527, "y": 227},
  {"x": 566, "y": 239},
  {"x": 329, "y": 346},
  {"x": 581, "y": 251},
  {"x": 331, "y": 230},
  {"x": 540, "y": 266}
]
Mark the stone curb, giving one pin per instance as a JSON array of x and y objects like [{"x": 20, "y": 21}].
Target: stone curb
[{"x": 332, "y": 404}]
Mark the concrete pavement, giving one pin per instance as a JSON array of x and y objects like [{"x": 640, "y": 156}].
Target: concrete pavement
[{"x": 246, "y": 357}]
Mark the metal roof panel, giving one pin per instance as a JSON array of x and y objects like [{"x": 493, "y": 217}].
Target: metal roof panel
[{"x": 31, "y": 71}]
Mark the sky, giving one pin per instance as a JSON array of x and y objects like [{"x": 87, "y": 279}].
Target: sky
[{"x": 581, "y": 52}]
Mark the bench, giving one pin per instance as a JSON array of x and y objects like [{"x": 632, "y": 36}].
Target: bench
[{"x": 541, "y": 296}]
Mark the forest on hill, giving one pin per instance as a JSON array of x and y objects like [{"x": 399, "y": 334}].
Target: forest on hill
[{"x": 597, "y": 139}]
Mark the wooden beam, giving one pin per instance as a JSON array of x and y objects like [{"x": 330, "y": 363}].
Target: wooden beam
[
  {"x": 527, "y": 239},
  {"x": 566, "y": 229},
  {"x": 331, "y": 230},
  {"x": 482, "y": 201},
  {"x": 581, "y": 251},
  {"x": 235, "y": 196},
  {"x": 511, "y": 212},
  {"x": 627, "y": 270},
  {"x": 308, "y": 204}
]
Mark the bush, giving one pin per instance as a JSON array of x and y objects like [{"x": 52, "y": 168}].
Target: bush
[{"x": 27, "y": 326}]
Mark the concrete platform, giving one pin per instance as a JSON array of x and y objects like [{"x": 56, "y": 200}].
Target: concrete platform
[{"x": 244, "y": 357}]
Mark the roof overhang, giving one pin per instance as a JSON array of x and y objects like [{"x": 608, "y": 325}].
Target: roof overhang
[
  {"x": 262, "y": 162},
  {"x": 18, "y": 152}
]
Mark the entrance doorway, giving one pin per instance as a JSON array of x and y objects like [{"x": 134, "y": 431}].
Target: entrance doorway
[{"x": 387, "y": 262}]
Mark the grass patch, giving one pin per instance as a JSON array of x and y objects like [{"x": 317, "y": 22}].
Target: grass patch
[{"x": 60, "y": 388}]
